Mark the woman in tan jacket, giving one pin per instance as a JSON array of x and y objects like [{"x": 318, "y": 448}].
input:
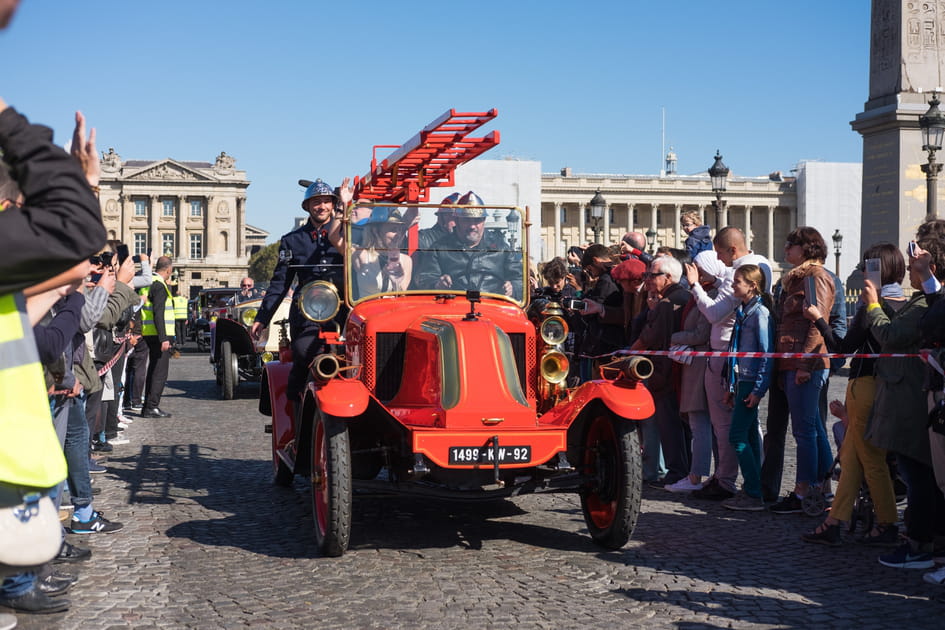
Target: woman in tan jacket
[{"x": 802, "y": 379}]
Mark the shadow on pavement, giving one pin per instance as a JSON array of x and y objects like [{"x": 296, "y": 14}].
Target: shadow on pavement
[{"x": 266, "y": 519}]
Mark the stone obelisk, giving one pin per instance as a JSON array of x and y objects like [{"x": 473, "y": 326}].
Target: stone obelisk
[{"x": 907, "y": 50}]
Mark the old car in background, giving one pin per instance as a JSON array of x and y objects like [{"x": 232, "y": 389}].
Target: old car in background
[
  {"x": 236, "y": 358},
  {"x": 449, "y": 391}
]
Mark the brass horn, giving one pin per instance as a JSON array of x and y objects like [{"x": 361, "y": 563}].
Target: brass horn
[
  {"x": 637, "y": 368},
  {"x": 554, "y": 367},
  {"x": 325, "y": 367}
]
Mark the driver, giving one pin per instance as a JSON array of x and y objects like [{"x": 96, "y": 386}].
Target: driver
[
  {"x": 300, "y": 254},
  {"x": 472, "y": 257}
]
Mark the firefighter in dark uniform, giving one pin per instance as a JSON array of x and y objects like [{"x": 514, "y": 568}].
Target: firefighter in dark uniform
[{"x": 305, "y": 254}]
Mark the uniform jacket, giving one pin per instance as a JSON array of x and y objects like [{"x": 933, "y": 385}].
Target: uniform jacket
[
  {"x": 899, "y": 421},
  {"x": 305, "y": 254},
  {"x": 485, "y": 267},
  {"x": 795, "y": 332}
]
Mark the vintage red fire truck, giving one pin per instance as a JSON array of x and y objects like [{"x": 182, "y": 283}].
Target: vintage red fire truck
[{"x": 449, "y": 392}]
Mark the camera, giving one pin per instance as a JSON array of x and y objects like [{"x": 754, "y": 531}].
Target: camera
[
  {"x": 105, "y": 258},
  {"x": 574, "y": 305},
  {"x": 574, "y": 270}
]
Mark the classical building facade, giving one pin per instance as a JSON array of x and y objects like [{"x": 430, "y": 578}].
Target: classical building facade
[
  {"x": 194, "y": 212},
  {"x": 765, "y": 208}
]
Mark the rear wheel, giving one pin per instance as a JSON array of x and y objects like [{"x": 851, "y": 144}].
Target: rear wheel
[
  {"x": 331, "y": 485},
  {"x": 611, "y": 497},
  {"x": 229, "y": 371}
]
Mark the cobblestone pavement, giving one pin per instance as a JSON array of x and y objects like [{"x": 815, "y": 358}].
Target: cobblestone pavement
[{"x": 210, "y": 543}]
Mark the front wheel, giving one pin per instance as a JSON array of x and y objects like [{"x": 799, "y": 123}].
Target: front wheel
[
  {"x": 331, "y": 485},
  {"x": 611, "y": 497},
  {"x": 229, "y": 370}
]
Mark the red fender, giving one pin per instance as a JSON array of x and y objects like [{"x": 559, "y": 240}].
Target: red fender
[
  {"x": 627, "y": 400},
  {"x": 343, "y": 398},
  {"x": 277, "y": 377}
]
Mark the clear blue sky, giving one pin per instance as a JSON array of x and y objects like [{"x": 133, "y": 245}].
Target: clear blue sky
[{"x": 305, "y": 88}]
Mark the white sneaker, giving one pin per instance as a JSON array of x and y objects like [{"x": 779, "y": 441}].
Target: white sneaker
[
  {"x": 118, "y": 441},
  {"x": 935, "y": 577},
  {"x": 683, "y": 485},
  {"x": 122, "y": 425}
]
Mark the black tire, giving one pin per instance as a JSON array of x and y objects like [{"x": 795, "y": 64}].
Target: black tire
[
  {"x": 229, "y": 373},
  {"x": 331, "y": 485},
  {"x": 612, "y": 462}
]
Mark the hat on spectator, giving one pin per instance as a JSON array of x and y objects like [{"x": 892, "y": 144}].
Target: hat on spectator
[{"x": 630, "y": 269}]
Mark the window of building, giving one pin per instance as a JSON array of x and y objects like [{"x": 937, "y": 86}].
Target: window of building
[
  {"x": 564, "y": 215},
  {"x": 225, "y": 239},
  {"x": 141, "y": 207},
  {"x": 196, "y": 207},
  {"x": 141, "y": 243},
  {"x": 168, "y": 205},
  {"x": 196, "y": 245},
  {"x": 611, "y": 215},
  {"x": 196, "y": 275},
  {"x": 167, "y": 244}
]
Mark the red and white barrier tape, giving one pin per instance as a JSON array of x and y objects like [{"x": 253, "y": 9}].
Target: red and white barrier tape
[{"x": 760, "y": 355}]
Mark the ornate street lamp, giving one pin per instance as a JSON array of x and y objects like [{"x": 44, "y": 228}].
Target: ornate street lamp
[
  {"x": 718, "y": 173},
  {"x": 837, "y": 242},
  {"x": 932, "y": 124},
  {"x": 512, "y": 219},
  {"x": 598, "y": 206},
  {"x": 651, "y": 239}
]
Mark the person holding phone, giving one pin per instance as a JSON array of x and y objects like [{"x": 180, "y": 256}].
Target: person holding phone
[{"x": 803, "y": 379}]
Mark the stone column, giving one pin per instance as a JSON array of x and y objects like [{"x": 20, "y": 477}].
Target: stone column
[
  {"x": 124, "y": 234},
  {"x": 654, "y": 222},
  {"x": 181, "y": 226},
  {"x": 771, "y": 233},
  {"x": 240, "y": 225},
  {"x": 556, "y": 235},
  {"x": 154, "y": 236},
  {"x": 605, "y": 235},
  {"x": 630, "y": 217},
  {"x": 677, "y": 229},
  {"x": 582, "y": 234},
  {"x": 748, "y": 226}
]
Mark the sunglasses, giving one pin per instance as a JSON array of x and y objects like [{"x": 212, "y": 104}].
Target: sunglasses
[
  {"x": 246, "y": 286},
  {"x": 653, "y": 274}
]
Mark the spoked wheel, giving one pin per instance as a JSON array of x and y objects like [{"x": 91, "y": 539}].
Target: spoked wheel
[
  {"x": 331, "y": 485},
  {"x": 229, "y": 371},
  {"x": 611, "y": 497}
]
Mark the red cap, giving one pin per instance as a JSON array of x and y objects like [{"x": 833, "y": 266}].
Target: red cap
[{"x": 630, "y": 269}]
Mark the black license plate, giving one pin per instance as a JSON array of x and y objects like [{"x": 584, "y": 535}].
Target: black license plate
[{"x": 460, "y": 455}]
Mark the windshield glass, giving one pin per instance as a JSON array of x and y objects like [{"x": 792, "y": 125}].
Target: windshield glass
[{"x": 395, "y": 249}]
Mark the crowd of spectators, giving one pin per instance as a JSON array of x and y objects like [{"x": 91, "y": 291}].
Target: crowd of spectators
[{"x": 718, "y": 295}]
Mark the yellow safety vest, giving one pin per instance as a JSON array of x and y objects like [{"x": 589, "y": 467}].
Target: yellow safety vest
[
  {"x": 147, "y": 314},
  {"x": 30, "y": 454},
  {"x": 180, "y": 307}
]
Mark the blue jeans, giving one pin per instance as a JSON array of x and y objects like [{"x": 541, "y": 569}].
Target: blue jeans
[
  {"x": 744, "y": 438},
  {"x": 17, "y": 584},
  {"x": 77, "y": 455},
  {"x": 813, "y": 449}
]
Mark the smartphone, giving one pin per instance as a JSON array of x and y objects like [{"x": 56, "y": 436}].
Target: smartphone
[
  {"x": 122, "y": 251},
  {"x": 95, "y": 277},
  {"x": 910, "y": 249},
  {"x": 574, "y": 305},
  {"x": 810, "y": 290},
  {"x": 873, "y": 271}
]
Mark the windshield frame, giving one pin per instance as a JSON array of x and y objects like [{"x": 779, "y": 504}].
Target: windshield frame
[{"x": 352, "y": 292}]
